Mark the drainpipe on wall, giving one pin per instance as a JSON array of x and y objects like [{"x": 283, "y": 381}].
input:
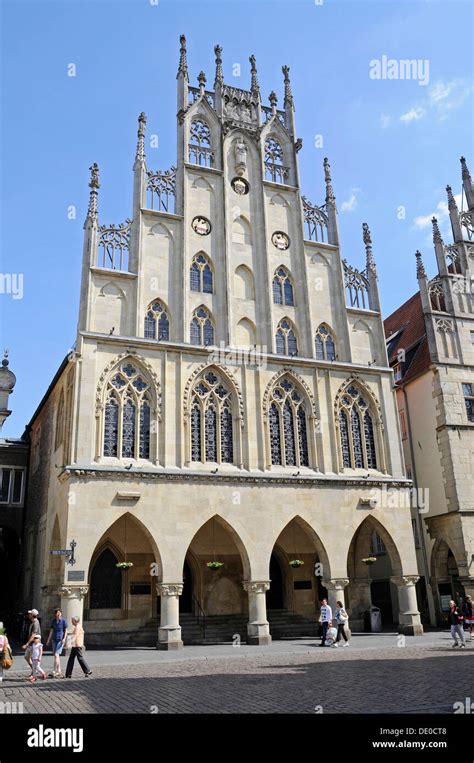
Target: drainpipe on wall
[{"x": 421, "y": 530}]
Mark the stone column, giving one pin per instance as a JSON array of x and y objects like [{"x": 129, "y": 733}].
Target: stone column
[
  {"x": 169, "y": 632},
  {"x": 335, "y": 588},
  {"x": 258, "y": 629},
  {"x": 72, "y": 601},
  {"x": 409, "y": 617}
]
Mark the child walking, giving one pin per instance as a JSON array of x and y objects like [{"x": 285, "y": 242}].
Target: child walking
[{"x": 36, "y": 655}]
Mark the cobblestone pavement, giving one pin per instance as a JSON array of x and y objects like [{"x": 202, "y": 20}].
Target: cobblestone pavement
[{"x": 373, "y": 675}]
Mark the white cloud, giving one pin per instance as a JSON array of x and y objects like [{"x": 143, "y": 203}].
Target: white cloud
[
  {"x": 443, "y": 98},
  {"x": 413, "y": 115},
  {"x": 351, "y": 204},
  {"x": 441, "y": 213}
]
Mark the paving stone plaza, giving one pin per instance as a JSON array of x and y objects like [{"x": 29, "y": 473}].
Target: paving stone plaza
[{"x": 374, "y": 675}]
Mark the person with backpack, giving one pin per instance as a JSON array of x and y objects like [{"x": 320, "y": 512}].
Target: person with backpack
[
  {"x": 455, "y": 619},
  {"x": 468, "y": 615}
]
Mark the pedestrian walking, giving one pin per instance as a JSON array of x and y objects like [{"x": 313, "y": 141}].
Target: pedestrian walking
[
  {"x": 77, "y": 645},
  {"x": 36, "y": 656},
  {"x": 325, "y": 619},
  {"x": 4, "y": 645},
  {"x": 468, "y": 616},
  {"x": 33, "y": 630},
  {"x": 342, "y": 618},
  {"x": 455, "y": 619},
  {"x": 57, "y": 635}
]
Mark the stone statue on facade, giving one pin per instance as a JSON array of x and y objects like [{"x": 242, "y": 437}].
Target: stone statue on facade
[{"x": 240, "y": 157}]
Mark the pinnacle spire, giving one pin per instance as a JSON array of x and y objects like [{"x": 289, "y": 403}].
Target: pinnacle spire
[
  {"x": 370, "y": 262},
  {"x": 288, "y": 94},
  {"x": 437, "y": 238},
  {"x": 183, "y": 64},
  {"x": 466, "y": 175},
  {"x": 140, "y": 153},
  {"x": 254, "y": 86},
  {"x": 219, "y": 75},
  {"x": 420, "y": 268},
  {"x": 451, "y": 200},
  {"x": 94, "y": 185},
  {"x": 327, "y": 179},
  {"x": 202, "y": 82},
  {"x": 273, "y": 100}
]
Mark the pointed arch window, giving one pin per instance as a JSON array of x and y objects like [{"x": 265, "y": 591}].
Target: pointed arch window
[
  {"x": 437, "y": 298},
  {"x": 288, "y": 426},
  {"x": 157, "y": 325},
  {"x": 201, "y": 274},
  {"x": 200, "y": 146},
  {"x": 274, "y": 169},
  {"x": 202, "y": 327},
  {"x": 127, "y": 415},
  {"x": 212, "y": 437},
  {"x": 356, "y": 430},
  {"x": 282, "y": 288},
  {"x": 285, "y": 339},
  {"x": 324, "y": 344}
]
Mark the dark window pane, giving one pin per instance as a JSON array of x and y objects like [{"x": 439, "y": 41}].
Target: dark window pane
[
  {"x": 17, "y": 487},
  {"x": 275, "y": 447},
  {"x": 280, "y": 343},
  {"x": 163, "y": 327},
  {"x": 292, "y": 345},
  {"x": 289, "y": 435},
  {"x": 128, "y": 433},
  {"x": 277, "y": 295},
  {"x": 302, "y": 437},
  {"x": 144, "y": 430},
  {"x": 227, "y": 450},
  {"x": 195, "y": 434},
  {"x": 6, "y": 476},
  {"x": 319, "y": 348},
  {"x": 288, "y": 292},
  {"x": 149, "y": 327},
  {"x": 210, "y": 434},
  {"x": 207, "y": 280},
  {"x": 356, "y": 440},
  {"x": 369, "y": 441},
  {"x": 195, "y": 331},
  {"x": 208, "y": 333},
  {"x": 346, "y": 453},
  {"x": 195, "y": 278},
  {"x": 111, "y": 428}
]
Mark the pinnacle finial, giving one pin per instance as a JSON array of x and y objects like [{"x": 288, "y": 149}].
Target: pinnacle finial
[
  {"x": 288, "y": 94},
  {"x": 370, "y": 262},
  {"x": 140, "y": 153},
  {"x": 273, "y": 100},
  {"x": 420, "y": 268},
  {"x": 254, "y": 86},
  {"x": 183, "y": 63},
  {"x": 202, "y": 82},
  {"x": 327, "y": 179},
  {"x": 219, "y": 75},
  {"x": 94, "y": 185},
  {"x": 466, "y": 175},
  {"x": 5, "y": 360},
  {"x": 451, "y": 200},
  {"x": 437, "y": 238}
]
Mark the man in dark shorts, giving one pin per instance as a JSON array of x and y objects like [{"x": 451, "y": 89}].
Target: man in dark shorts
[{"x": 57, "y": 635}]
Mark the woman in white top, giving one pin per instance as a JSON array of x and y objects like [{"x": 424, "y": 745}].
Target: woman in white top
[{"x": 341, "y": 619}]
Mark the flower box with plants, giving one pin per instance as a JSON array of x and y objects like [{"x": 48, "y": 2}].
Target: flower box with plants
[
  {"x": 124, "y": 565},
  {"x": 295, "y": 563},
  {"x": 370, "y": 560},
  {"x": 215, "y": 565}
]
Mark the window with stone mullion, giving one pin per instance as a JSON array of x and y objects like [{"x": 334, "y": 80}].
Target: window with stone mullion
[{"x": 289, "y": 435}]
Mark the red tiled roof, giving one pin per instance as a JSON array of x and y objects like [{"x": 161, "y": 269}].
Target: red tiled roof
[{"x": 409, "y": 321}]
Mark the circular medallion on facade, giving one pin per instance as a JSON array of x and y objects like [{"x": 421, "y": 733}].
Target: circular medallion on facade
[
  {"x": 201, "y": 226},
  {"x": 280, "y": 240},
  {"x": 240, "y": 186}
]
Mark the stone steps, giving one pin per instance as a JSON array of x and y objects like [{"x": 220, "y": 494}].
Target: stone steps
[{"x": 219, "y": 629}]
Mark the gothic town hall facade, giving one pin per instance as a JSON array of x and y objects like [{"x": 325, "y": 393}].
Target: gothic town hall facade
[{"x": 221, "y": 443}]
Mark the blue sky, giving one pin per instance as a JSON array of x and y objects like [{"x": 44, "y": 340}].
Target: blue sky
[{"x": 391, "y": 143}]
